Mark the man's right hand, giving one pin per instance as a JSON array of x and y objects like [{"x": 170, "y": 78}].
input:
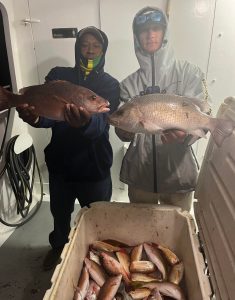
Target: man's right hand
[
  {"x": 26, "y": 113},
  {"x": 76, "y": 117},
  {"x": 173, "y": 136}
]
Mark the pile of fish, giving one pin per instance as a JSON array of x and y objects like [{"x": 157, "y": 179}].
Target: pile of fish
[
  {"x": 155, "y": 113},
  {"x": 49, "y": 99},
  {"x": 116, "y": 271}
]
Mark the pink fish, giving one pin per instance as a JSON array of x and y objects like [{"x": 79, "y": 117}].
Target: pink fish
[
  {"x": 109, "y": 289},
  {"x": 112, "y": 266},
  {"x": 96, "y": 272},
  {"x": 93, "y": 291},
  {"x": 83, "y": 285}
]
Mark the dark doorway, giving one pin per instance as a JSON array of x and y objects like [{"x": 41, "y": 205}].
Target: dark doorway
[
  {"x": 5, "y": 78},
  {"x": 5, "y": 81}
]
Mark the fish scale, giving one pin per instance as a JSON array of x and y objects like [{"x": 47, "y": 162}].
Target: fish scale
[
  {"x": 155, "y": 113},
  {"x": 170, "y": 114}
]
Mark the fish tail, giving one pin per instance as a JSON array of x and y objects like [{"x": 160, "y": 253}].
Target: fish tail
[
  {"x": 222, "y": 129},
  {"x": 4, "y": 99}
]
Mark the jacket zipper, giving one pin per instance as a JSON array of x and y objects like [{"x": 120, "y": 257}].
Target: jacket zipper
[{"x": 153, "y": 136}]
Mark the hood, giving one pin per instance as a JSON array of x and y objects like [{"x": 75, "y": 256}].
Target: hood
[
  {"x": 163, "y": 58},
  {"x": 98, "y": 34}
]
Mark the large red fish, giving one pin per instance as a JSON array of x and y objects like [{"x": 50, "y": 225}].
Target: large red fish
[{"x": 49, "y": 99}]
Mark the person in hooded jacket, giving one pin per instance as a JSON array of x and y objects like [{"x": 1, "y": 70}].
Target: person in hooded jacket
[
  {"x": 159, "y": 169},
  {"x": 79, "y": 155}
]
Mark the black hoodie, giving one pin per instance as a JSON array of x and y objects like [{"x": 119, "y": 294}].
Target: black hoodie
[{"x": 83, "y": 154}]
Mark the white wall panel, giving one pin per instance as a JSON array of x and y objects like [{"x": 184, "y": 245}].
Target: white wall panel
[
  {"x": 221, "y": 63},
  {"x": 191, "y": 25},
  {"x": 221, "y": 69},
  {"x": 25, "y": 44},
  {"x": 59, "y": 14}
]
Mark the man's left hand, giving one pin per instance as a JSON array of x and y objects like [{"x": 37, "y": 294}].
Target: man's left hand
[
  {"x": 76, "y": 116},
  {"x": 173, "y": 136}
]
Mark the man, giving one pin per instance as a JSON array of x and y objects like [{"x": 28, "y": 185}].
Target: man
[
  {"x": 79, "y": 155},
  {"x": 159, "y": 169}
]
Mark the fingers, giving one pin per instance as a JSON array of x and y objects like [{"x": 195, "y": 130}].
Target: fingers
[
  {"x": 170, "y": 136},
  {"x": 25, "y": 108},
  {"x": 68, "y": 116},
  {"x": 84, "y": 113},
  {"x": 76, "y": 117},
  {"x": 27, "y": 113},
  {"x": 164, "y": 139},
  {"x": 179, "y": 134},
  {"x": 22, "y": 107}
]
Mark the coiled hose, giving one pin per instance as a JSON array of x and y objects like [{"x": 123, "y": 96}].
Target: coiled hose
[{"x": 18, "y": 168}]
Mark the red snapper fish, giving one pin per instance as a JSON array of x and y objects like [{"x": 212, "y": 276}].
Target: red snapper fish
[
  {"x": 155, "y": 113},
  {"x": 49, "y": 99}
]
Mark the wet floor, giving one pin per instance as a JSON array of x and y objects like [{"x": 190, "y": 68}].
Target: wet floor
[{"x": 21, "y": 256}]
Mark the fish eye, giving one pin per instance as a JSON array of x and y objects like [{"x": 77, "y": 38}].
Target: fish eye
[{"x": 93, "y": 97}]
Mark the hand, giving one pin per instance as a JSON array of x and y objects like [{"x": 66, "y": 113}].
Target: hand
[
  {"x": 27, "y": 114},
  {"x": 76, "y": 117},
  {"x": 173, "y": 136}
]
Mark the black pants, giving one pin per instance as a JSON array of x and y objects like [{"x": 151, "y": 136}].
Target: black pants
[{"x": 62, "y": 198}]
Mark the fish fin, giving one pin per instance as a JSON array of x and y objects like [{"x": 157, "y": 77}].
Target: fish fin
[
  {"x": 150, "y": 126},
  {"x": 198, "y": 132},
  {"x": 223, "y": 129},
  {"x": 201, "y": 105},
  {"x": 229, "y": 100},
  {"x": 4, "y": 98},
  {"x": 186, "y": 103},
  {"x": 135, "y": 139}
]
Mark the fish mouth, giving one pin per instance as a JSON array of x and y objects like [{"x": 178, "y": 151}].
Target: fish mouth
[
  {"x": 112, "y": 122},
  {"x": 104, "y": 107}
]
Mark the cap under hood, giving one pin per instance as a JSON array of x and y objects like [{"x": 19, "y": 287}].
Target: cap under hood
[
  {"x": 100, "y": 36},
  {"x": 148, "y": 16},
  {"x": 163, "y": 57}
]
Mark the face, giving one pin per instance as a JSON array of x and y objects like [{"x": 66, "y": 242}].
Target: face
[
  {"x": 151, "y": 37},
  {"x": 90, "y": 46}
]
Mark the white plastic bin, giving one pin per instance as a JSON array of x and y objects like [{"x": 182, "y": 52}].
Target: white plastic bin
[{"x": 137, "y": 223}]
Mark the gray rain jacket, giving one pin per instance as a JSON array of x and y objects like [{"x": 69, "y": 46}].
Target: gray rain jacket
[{"x": 176, "y": 168}]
